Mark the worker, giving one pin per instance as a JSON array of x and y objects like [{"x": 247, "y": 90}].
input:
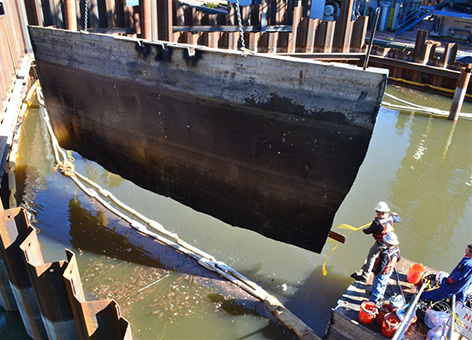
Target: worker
[
  {"x": 382, "y": 224},
  {"x": 458, "y": 282},
  {"x": 384, "y": 266}
]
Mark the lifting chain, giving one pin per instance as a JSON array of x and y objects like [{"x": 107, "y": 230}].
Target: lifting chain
[
  {"x": 86, "y": 16},
  {"x": 240, "y": 23}
]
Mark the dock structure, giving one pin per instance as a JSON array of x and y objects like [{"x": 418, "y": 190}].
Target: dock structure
[
  {"x": 269, "y": 27},
  {"x": 345, "y": 316}
]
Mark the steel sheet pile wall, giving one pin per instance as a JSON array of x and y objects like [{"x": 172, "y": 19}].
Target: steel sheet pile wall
[
  {"x": 13, "y": 46},
  {"x": 273, "y": 26},
  {"x": 49, "y": 296}
]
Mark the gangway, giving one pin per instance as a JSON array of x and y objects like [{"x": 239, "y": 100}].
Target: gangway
[{"x": 414, "y": 18}]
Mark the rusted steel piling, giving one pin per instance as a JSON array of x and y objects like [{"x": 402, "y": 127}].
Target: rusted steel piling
[
  {"x": 13, "y": 46},
  {"x": 50, "y": 290},
  {"x": 459, "y": 95},
  {"x": 70, "y": 15},
  {"x": 13, "y": 231},
  {"x": 49, "y": 296},
  {"x": 271, "y": 27}
]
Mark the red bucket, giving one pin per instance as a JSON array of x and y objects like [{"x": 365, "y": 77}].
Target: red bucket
[
  {"x": 390, "y": 324},
  {"x": 384, "y": 308},
  {"x": 367, "y": 312},
  {"x": 415, "y": 273}
]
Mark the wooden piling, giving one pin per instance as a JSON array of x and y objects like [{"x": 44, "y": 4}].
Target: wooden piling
[{"x": 459, "y": 95}]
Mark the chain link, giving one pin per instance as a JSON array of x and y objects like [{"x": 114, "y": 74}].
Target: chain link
[
  {"x": 240, "y": 22},
  {"x": 86, "y": 16}
]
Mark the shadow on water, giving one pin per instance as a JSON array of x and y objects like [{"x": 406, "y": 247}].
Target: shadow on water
[
  {"x": 106, "y": 234},
  {"x": 321, "y": 294},
  {"x": 240, "y": 307},
  {"x": 11, "y": 326}
]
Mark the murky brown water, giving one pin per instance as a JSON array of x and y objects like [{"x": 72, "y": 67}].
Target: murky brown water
[{"x": 422, "y": 166}]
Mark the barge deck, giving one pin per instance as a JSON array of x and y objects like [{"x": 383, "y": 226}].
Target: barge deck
[{"x": 345, "y": 316}]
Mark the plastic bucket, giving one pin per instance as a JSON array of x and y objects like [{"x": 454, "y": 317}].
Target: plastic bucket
[
  {"x": 415, "y": 273},
  {"x": 390, "y": 324},
  {"x": 383, "y": 309},
  {"x": 367, "y": 312}
]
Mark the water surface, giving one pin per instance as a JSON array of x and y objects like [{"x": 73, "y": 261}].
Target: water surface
[{"x": 420, "y": 165}]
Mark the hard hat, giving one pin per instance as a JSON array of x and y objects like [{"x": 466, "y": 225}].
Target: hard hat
[
  {"x": 382, "y": 207},
  {"x": 391, "y": 238}
]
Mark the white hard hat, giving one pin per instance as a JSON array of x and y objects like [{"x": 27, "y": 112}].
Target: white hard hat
[
  {"x": 382, "y": 207},
  {"x": 391, "y": 238}
]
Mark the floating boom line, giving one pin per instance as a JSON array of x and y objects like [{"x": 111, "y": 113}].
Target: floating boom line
[{"x": 280, "y": 312}]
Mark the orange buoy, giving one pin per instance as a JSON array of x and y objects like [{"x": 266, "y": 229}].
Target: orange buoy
[
  {"x": 390, "y": 324},
  {"x": 415, "y": 273},
  {"x": 367, "y": 312}
]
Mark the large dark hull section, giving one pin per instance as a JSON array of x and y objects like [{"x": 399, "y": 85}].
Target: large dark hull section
[{"x": 277, "y": 158}]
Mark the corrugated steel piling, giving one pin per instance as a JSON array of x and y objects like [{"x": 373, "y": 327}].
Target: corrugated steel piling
[
  {"x": 271, "y": 27},
  {"x": 49, "y": 296},
  {"x": 459, "y": 95},
  {"x": 94, "y": 319},
  {"x": 50, "y": 290},
  {"x": 297, "y": 16},
  {"x": 7, "y": 300},
  {"x": 13, "y": 231},
  {"x": 342, "y": 35},
  {"x": 359, "y": 31}
]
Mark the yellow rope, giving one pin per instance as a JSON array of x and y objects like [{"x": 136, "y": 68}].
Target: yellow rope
[{"x": 336, "y": 244}]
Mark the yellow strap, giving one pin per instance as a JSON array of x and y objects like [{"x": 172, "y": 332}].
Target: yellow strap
[{"x": 336, "y": 244}]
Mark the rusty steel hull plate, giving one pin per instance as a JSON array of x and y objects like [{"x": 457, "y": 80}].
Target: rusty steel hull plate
[{"x": 268, "y": 144}]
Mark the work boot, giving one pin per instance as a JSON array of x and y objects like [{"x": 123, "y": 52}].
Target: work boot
[
  {"x": 360, "y": 277},
  {"x": 356, "y": 275}
]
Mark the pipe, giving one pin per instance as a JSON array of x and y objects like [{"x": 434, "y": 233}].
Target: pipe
[
  {"x": 399, "y": 284},
  {"x": 459, "y": 95},
  {"x": 453, "y": 312},
  {"x": 406, "y": 320},
  {"x": 70, "y": 15},
  {"x": 367, "y": 56},
  {"x": 146, "y": 21}
]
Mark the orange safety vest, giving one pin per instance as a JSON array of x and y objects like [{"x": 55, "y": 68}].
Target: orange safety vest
[
  {"x": 393, "y": 254},
  {"x": 387, "y": 224}
]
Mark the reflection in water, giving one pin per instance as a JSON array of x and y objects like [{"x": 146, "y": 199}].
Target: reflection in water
[
  {"x": 187, "y": 289},
  {"x": 420, "y": 165},
  {"x": 95, "y": 234},
  {"x": 435, "y": 167}
]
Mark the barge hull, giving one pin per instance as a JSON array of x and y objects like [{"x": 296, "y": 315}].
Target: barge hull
[{"x": 266, "y": 143}]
